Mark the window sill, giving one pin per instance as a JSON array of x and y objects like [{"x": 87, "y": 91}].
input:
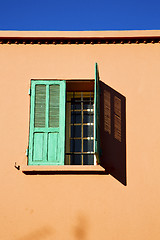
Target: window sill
[{"x": 28, "y": 169}]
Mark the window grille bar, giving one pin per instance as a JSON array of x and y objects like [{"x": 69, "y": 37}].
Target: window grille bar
[{"x": 85, "y": 106}]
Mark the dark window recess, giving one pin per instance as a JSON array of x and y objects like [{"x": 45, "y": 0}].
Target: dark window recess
[{"x": 80, "y": 129}]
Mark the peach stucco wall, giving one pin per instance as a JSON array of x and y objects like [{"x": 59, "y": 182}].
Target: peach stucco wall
[{"x": 86, "y": 207}]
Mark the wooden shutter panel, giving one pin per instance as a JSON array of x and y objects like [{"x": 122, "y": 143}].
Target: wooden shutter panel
[
  {"x": 54, "y": 95},
  {"x": 47, "y": 123},
  {"x": 97, "y": 115},
  {"x": 40, "y": 105}
]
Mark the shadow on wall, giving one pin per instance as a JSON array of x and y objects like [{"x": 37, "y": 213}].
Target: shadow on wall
[
  {"x": 80, "y": 228},
  {"x": 38, "y": 234},
  {"x": 113, "y": 132},
  {"x": 79, "y": 231}
]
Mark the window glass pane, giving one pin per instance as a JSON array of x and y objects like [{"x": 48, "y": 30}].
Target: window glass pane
[
  {"x": 76, "y": 117},
  {"x": 75, "y": 106},
  {"x": 75, "y": 145},
  {"x": 87, "y": 106},
  {"x": 76, "y": 131},
  {"x": 87, "y": 103},
  {"x": 76, "y": 103},
  {"x": 87, "y": 145},
  {"x": 87, "y": 117},
  {"x": 88, "y": 131},
  {"x": 76, "y": 159},
  {"x": 88, "y": 159}
]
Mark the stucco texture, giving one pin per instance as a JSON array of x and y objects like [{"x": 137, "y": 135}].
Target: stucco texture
[{"x": 75, "y": 206}]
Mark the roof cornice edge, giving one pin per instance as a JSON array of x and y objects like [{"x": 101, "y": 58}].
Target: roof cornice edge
[{"x": 80, "y": 40}]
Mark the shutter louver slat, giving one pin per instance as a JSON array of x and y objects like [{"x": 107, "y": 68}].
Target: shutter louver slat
[
  {"x": 40, "y": 106},
  {"x": 54, "y": 91}
]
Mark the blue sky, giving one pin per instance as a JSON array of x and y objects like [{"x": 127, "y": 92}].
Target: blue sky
[{"x": 72, "y": 15}]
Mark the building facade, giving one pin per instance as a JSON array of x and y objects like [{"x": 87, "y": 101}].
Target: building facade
[{"x": 111, "y": 193}]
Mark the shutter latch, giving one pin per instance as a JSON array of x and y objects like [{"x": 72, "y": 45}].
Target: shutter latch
[{"x": 17, "y": 166}]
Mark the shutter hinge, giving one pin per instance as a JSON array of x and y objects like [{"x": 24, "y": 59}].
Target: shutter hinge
[
  {"x": 27, "y": 152},
  {"x": 29, "y": 92}
]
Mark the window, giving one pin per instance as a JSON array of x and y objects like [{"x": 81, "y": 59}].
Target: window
[
  {"x": 80, "y": 128},
  {"x": 64, "y": 122}
]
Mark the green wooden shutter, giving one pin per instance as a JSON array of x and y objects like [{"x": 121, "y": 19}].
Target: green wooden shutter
[
  {"x": 47, "y": 123},
  {"x": 97, "y": 115}
]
